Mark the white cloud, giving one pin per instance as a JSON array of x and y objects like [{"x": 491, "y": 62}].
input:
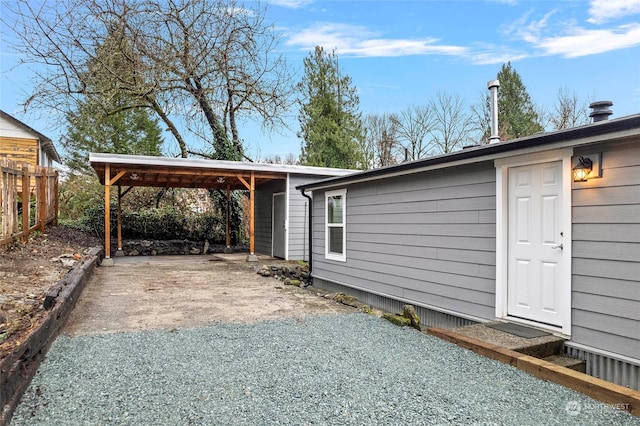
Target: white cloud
[
  {"x": 355, "y": 40},
  {"x": 293, "y": 4},
  {"x": 583, "y": 42},
  {"x": 601, "y": 11},
  {"x": 569, "y": 39},
  {"x": 486, "y": 54}
]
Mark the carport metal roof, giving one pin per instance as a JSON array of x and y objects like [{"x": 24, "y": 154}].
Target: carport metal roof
[{"x": 138, "y": 170}]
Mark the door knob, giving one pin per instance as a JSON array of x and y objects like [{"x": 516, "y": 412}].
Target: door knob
[{"x": 559, "y": 246}]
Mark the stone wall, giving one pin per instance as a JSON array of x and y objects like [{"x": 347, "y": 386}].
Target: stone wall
[{"x": 170, "y": 247}]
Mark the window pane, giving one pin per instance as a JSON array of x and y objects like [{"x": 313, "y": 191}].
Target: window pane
[
  {"x": 335, "y": 240},
  {"x": 335, "y": 209}
]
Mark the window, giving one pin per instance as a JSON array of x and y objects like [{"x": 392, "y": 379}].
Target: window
[{"x": 335, "y": 229}]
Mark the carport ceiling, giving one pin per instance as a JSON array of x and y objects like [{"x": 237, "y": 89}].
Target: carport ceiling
[{"x": 133, "y": 170}]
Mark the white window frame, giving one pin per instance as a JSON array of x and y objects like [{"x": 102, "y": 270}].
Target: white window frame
[{"x": 340, "y": 257}]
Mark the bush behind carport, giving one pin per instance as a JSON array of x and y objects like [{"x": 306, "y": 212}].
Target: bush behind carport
[{"x": 166, "y": 223}]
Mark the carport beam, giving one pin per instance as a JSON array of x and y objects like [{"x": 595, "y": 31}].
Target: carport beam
[
  {"x": 252, "y": 201},
  {"x": 107, "y": 261},
  {"x": 119, "y": 252},
  {"x": 228, "y": 240}
]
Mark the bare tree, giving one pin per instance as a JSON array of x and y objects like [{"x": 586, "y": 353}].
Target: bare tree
[
  {"x": 452, "y": 122},
  {"x": 199, "y": 65},
  {"x": 414, "y": 125},
  {"x": 289, "y": 159},
  {"x": 381, "y": 139},
  {"x": 568, "y": 111},
  {"x": 481, "y": 118}
]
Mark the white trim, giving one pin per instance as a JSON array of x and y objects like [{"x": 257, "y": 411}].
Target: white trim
[
  {"x": 404, "y": 300},
  {"x": 502, "y": 202},
  {"x": 286, "y": 219},
  {"x": 569, "y": 144},
  {"x": 327, "y": 254},
  {"x": 273, "y": 221},
  {"x": 145, "y": 160}
]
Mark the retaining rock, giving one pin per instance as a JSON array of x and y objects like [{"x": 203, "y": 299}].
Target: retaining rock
[
  {"x": 297, "y": 275},
  {"x": 170, "y": 247}
]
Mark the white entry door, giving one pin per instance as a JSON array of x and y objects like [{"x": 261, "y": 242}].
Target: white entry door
[
  {"x": 279, "y": 225},
  {"x": 535, "y": 249}
]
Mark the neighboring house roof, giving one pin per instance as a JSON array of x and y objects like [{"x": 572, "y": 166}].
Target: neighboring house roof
[
  {"x": 590, "y": 133},
  {"x": 46, "y": 143}
]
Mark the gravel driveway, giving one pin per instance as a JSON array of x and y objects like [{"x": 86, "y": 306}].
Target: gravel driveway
[{"x": 352, "y": 369}]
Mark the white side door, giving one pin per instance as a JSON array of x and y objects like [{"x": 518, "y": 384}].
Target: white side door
[{"x": 536, "y": 281}]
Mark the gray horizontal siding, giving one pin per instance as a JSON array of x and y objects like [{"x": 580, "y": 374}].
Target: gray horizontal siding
[
  {"x": 427, "y": 238},
  {"x": 298, "y": 220},
  {"x": 606, "y": 255}
]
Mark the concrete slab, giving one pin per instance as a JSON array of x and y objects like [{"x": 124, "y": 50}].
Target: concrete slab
[{"x": 166, "y": 292}]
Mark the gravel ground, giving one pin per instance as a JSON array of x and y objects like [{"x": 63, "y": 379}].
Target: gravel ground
[{"x": 351, "y": 369}]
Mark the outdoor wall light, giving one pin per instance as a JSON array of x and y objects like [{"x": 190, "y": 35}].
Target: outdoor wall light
[
  {"x": 221, "y": 179},
  {"x": 582, "y": 169},
  {"x": 134, "y": 176}
]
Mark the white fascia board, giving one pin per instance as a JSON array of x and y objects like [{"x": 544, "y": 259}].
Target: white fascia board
[
  {"x": 144, "y": 160},
  {"x": 338, "y": 183}
]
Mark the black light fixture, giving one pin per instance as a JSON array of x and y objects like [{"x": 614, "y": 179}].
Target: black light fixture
[{"x": 582, "y": 169}]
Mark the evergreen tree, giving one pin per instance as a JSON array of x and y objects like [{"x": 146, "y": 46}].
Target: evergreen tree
[
  {"x": 517, "y": 116},
  {"x": 91, "y": 129},
  {"x": 330, "y": 122},
  {"x": 106, "y": 120}
]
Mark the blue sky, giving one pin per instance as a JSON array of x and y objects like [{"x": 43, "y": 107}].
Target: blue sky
[{"x": 400, "y": 53}]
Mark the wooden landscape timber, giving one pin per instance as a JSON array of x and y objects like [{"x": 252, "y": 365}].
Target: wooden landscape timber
[{"x": 609, "y": 393}]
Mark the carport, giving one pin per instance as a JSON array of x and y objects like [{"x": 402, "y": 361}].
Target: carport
[{"x": 281, "y": 208}]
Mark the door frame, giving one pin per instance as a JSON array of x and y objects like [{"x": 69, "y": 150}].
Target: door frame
[
  {"x": 502, "y": 233},
  {"x": 286, "y": 223}
]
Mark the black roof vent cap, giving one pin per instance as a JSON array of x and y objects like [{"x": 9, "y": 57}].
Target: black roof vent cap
[{"x": 601, "y": 111}]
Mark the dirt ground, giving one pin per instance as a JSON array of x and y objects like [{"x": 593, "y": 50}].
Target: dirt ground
[
  {"x": 167, "y": 292},
  {"x": 28, "y": 271}
]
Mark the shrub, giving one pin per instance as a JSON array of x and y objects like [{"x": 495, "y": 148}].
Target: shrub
[{"x": 157, "y": 224}]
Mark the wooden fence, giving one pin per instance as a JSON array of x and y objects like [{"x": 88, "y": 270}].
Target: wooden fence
[{"x": 28, "y": 200}]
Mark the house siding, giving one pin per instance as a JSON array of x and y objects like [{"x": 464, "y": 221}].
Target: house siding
[
  {"x": 263, "y": 215},
  {"x": 426, "y": 238},
  {"x": 22, "y": 151},
  {"x": 298, "y": 218},
  {"x": 606, "y": 254}
]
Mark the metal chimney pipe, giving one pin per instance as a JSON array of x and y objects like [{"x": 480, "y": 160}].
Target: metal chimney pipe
[
  {"x": 493, "y": 86},
  {"x": 601, "y": 111}
]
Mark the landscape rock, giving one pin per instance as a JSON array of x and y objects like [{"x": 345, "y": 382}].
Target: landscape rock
[
  {"x": 409, "y": 311},
  {"x": 291, "y": 275},
  {"x": 396, "y": 319}
]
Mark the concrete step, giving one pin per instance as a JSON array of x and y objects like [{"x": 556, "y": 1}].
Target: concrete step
[
  {"x": 550, "y": 347},
  {"x": 567, "y": 361},
  {"x": 539, "y": 347}
]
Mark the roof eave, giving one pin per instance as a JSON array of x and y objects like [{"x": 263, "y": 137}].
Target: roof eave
[
  {"x": 121, "y": 159},
  {"x": 622, "y": 127}
]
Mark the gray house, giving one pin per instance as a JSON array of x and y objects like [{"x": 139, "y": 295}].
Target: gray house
[{"x": 542, "y": 231}]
